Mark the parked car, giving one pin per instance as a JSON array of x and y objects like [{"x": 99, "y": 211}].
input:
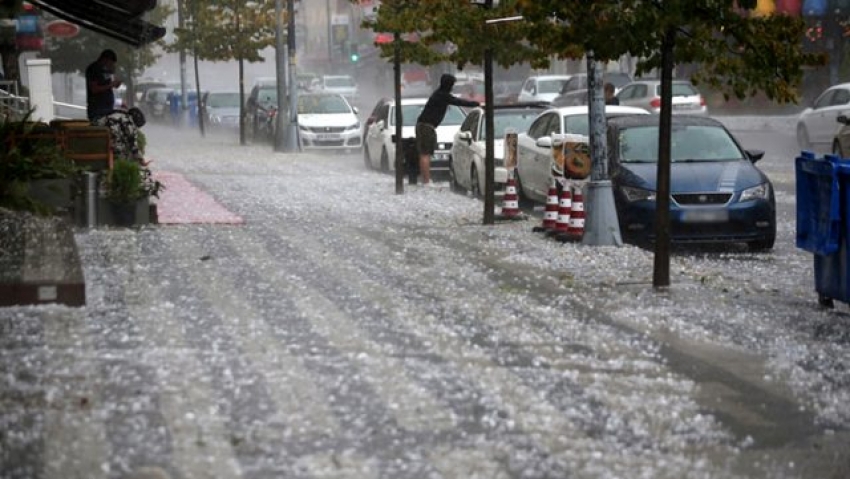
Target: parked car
[
  {"x": 575, "y": 90},
  {"x": 646, "y": 94},
  {"x": 328, "y": 121},
  {"x": 535, "y": 164},
  {"x": 307, "y": 81},
  {"x": 471, "y": 89},
  {"x": 342, "y": 84},
  {"x": 717, "y": 194},
  {"x": 542, "y": 88},
  {"x": 261, "y": 103},
  {"x": 818, "y": 126},
  {"x": 468, "y": 148},
  {"x": 506, "y": 92},
  {"x": 222, "y": 109},
  {"x": 155, "y": 103},
  {"x": 379, "y": 148}
]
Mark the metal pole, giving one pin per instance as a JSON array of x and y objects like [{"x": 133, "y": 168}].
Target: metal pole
[
  {"x": 201, "y": 106},
  {"x": 91, "y": 199},
  {"x": 280, "y": 76},
  {"x": 184, "y": 96},
  {"x": 330, "y": 34},
  {"x": 399, "y": 143},
  {"x": 292, "y": 142},
  {"x": 602, "y": 227}
]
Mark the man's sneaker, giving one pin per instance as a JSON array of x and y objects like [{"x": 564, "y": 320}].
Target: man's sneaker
[{"x": 433, "y": 185}]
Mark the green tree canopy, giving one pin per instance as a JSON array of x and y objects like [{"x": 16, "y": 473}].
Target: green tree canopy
[
  {"x": 738, "y": 54},
  {"x": 460, "y": 24},
  {"x": 223, "y": 30}
]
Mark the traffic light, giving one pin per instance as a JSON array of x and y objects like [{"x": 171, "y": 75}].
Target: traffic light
[{"x": 352, "y": 53}]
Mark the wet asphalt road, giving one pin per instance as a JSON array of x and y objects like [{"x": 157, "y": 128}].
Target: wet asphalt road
[{"x": 344, "y": 331}]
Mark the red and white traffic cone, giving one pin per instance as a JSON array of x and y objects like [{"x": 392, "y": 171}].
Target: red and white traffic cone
[
  {"x": 550, "y": 216},
  {"x": 562, "y": 225},
  {"x": 576, "y": 228},
  {"x": 510, "y": 201}
]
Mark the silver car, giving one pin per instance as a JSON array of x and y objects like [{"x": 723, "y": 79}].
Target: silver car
[{"x": 646, "y": 94}]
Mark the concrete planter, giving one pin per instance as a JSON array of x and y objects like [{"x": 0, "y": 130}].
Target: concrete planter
[{"x": 120, "y": 214}]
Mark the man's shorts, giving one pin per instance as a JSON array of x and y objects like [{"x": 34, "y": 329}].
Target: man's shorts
[{"x": 426, "y": 139}]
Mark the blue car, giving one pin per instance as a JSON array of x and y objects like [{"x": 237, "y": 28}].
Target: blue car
[{"x": 717, "y": 192}]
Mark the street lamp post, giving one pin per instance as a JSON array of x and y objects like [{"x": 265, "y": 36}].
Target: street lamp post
[{"x": 602, "y": 227}]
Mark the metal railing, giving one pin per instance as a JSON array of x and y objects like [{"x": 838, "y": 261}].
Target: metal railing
[
  {"x": 15, "y": 107},
  {"x": 12, "y": 106}
]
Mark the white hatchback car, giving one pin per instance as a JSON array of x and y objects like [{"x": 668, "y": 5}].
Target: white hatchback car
[
  {"x": 379, "y": 148},
  {"x": 542, "y": 88},
  {"x": 328, "y": 121},
  {"x": 534, "y": 147},
  {"x": 818, "y": 125},
  {"x": 468, "y": 149}
]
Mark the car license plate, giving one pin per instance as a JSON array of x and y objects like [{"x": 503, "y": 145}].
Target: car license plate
[
  {"x": 705, "y": 216},
  {"x": 328, "y": 136}
]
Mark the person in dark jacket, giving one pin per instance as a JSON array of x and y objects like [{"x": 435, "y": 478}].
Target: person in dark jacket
[
  {"x": 430, "y": 118},
  {"x": 610, "y": 99},
  {"x": 100, "y": 81}
]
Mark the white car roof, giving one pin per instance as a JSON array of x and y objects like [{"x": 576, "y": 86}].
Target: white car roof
[
  {"x": 551, "y": 77},
  {"x": 410, "y": 101},
  {"x": 582, "y": 110}
]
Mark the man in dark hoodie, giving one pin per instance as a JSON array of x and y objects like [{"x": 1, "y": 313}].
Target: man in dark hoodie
[{"x": 430, "y": 118}]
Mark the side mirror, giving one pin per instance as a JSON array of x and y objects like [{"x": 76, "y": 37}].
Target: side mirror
[
  {"x": 544, "y": 142},
  {"x": 842, "y": 119},
  {"x": 380, "y": 124},
  {"x": 755, "y": 155},
  {"x": 356, "y": 111},
  {"x": 465, "y": 136}
]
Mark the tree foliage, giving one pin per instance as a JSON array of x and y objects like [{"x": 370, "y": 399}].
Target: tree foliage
[
  {"x": 455, "y": 31},
  {"x": 736, "y": 53},
  {"x": 223, "y": 30}
]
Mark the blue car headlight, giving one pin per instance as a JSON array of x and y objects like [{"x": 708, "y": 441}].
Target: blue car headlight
[
  {"x": 637, "y": 194},
  {"x": 760, "y": 192}
]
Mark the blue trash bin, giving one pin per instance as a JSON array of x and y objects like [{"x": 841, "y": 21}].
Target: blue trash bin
[{"x": 823, "y": 203}]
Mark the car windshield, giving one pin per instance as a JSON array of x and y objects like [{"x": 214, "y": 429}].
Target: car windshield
[
  {"x": 690, "y": 143},
  {"x": 550, "y": 86},
  {"x": 322, "y": 104},
  {"x": 410, "y": 113},
  {"x": 679, "y": 89},
  {"x": 519, "y": 121},
  {"x": 223, "y": 100},
  {"x": 339, "y": 82}
]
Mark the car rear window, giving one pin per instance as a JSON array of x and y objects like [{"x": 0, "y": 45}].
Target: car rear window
[
  {"x": 550, "y": 86},
  {"x": 679, "y": 89},
  {"x": 410, "y": 113},
  {"x": 688, "y": 143},
  {"x": 339, "y": 82},
  {"x": 223, "y": 100}
]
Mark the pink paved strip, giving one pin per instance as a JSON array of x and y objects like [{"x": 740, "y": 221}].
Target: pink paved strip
[{"x": 181, "y": 203}]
